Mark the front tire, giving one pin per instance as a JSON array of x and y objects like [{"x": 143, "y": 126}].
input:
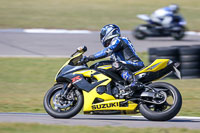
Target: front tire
[
  {"x": 138, "y": 34},
  {"x": 59, "y": 108},
  {"x": 161, "y": 112}
]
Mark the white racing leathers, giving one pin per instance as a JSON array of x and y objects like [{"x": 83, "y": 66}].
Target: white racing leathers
[{"x": 163, "y": 16}]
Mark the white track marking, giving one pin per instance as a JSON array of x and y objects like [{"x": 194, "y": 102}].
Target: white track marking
[
  {"x": 56, "y": 31},
  {"x": 192, "y": 33},
  {"x": 177, "y": 117},
  {"x": 64, "y": 31},
  {"x": 35, "y": 56}
]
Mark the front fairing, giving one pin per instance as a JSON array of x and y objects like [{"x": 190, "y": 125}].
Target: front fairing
[
  {"x": 73, "y": 61},
  {"x": 182, "y": 23},
  {"x": 179, "y": 20},
  {"x": 144, "y": 17},
  {"x": 68, "y": 69}
]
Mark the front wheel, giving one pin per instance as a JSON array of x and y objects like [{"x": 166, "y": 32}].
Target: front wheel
[
  {"x": 138, "y": 34},
  {"x": 168, "y": 109},
  {"x": 63, "y": 107}
]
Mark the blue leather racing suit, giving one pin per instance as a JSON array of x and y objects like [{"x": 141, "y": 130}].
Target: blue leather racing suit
[{"x": 121, "y": 50}]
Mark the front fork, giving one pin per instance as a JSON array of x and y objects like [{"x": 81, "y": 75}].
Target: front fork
[{"x": 65, "y": 90}]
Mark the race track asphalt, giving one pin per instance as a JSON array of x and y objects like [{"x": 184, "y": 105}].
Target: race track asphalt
[
  {"x": 44, "y": 45},
  {"x": 101, "y": 120}
]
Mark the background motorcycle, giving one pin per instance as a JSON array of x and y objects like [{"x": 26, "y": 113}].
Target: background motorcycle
[
  {"x": 99, "y": 90},
  {"x": 176, "y": 30}
]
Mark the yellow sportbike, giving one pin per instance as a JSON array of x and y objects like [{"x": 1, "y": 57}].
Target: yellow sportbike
[{"x": 99, "y": 90}]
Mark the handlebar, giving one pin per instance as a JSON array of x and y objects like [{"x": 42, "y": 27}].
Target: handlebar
[
  {"x": 83, "y": 61},
  {"x": 81, "y": 49}
]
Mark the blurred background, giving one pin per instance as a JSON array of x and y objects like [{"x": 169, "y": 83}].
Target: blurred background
[
  {"x": 87, "y": 14},
  {"x": 24, "y": 79}
]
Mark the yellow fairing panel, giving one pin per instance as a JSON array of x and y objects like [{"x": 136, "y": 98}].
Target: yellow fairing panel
[
  {"x": 113, "y": 105},
  {"x": 89, "y": 97},
  {"x": 85, "y": 73},
  {"x": 110, "y": 103},
  {"x": 157, "y": 65},
  {"x": 105, "y": 67},
  {"x": 99, "y": 76}
]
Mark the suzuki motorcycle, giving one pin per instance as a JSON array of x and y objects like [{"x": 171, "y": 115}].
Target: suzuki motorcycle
[
  {"x": 98, "y": 89},
  {"x": 151, "y": 29}
]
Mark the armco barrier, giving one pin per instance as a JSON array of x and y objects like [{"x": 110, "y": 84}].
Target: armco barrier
[{"x": 187, "y": 56}]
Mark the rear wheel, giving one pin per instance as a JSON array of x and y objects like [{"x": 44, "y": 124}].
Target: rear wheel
[
  {"x": 178, "y": 35},
  {"x": 63, "y": 107},
  {"x": 168, "y": 109}
]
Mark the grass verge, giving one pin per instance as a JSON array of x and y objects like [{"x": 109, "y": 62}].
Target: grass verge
[
  {"x": 87, "y": 14},
  {"x": 37, "y": 128},
  {"x": 24, "y": 82}
]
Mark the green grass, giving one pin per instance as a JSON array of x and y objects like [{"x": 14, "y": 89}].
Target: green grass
[
  {"x": 24, "y": 82},
  {"x": 87, "y": 14},
  {"x": 38, "y": 128}
]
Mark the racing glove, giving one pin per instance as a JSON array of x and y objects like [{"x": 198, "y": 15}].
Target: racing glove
[{"x": 86, "y": 59}]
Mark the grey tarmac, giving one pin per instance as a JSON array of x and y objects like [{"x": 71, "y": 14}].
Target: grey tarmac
[
  {"x": 61, "y": 45},
  {"x": 101, "y": 120}
]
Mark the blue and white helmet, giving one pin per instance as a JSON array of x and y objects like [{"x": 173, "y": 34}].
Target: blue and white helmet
[
  {"x": 108, "y": 32},
  {"x": 174, "y": 8}
]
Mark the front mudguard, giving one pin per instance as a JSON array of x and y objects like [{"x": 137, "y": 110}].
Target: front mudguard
[{"x": 144, "y": 28}]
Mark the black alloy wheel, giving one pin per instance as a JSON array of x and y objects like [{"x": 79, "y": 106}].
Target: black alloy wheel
[
  {"x": 168, "y": 109},
  {"x": 63, "y": 107}
]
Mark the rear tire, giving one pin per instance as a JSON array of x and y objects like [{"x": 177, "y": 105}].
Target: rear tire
[
  {"x": 190, "y": 58},
  {"x": 166, "y": 114},
  {"x": 178, "y": 35},
  {"x": 190, "y": 65},
  {"x": 173, "y": 58},
  {"x": 195, "y": 73},
  {"x": 167, "y": 51},
  {"x": 189, "y": 51}
]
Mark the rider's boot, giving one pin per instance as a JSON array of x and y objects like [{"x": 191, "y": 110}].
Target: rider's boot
[
  {"x": 133, "y": 83},
  {"x": 136, "y": 86}
]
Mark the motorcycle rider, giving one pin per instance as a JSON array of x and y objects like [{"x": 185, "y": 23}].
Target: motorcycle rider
[
  {"x": 122, "y": 53},
  {"x": 164, "y": 16}
]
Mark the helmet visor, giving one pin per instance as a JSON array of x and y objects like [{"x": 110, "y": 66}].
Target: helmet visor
[
  {"x": 107, "y": 43},
  {"x": 103, "y": 33}
]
